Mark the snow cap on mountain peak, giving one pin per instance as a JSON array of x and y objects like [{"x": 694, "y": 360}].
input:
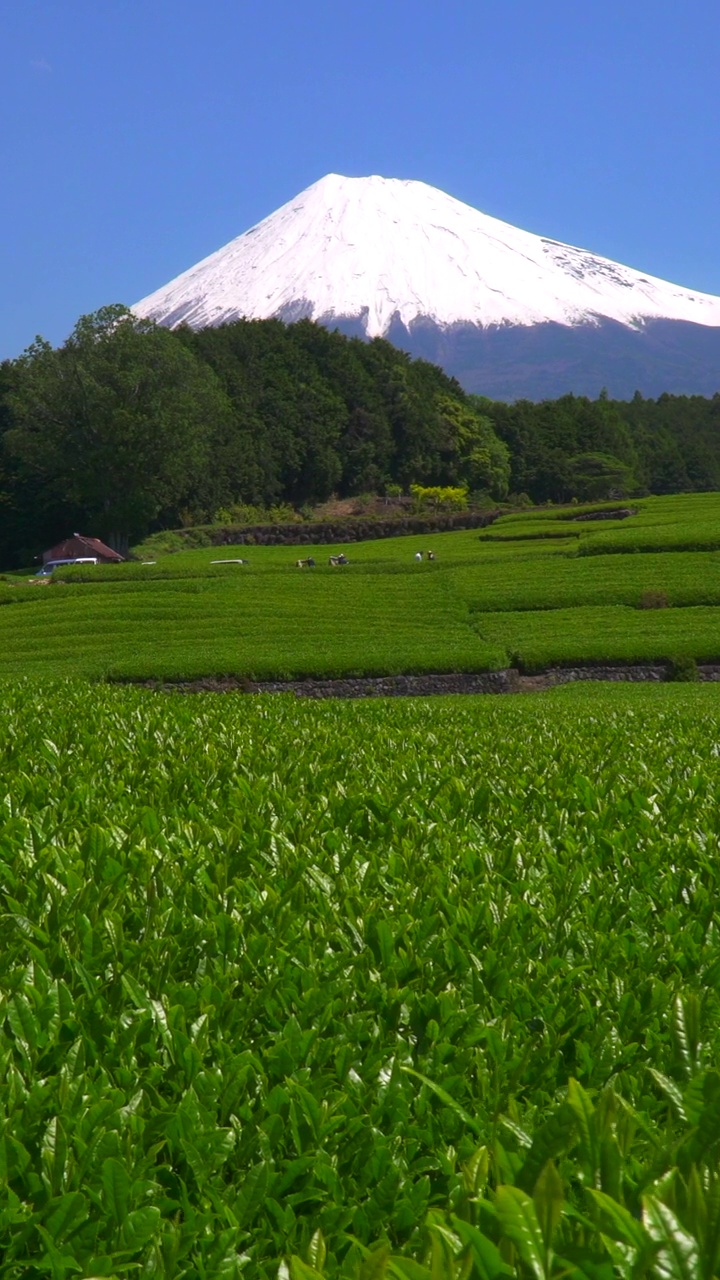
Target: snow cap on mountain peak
[{"x": 380, "y": 249}]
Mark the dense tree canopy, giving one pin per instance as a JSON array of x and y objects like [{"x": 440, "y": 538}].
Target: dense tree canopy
[
  {"x": 115, "y": 424},
  {"x": 667, "y": 445},
  {"x": 128, "y": 427}
]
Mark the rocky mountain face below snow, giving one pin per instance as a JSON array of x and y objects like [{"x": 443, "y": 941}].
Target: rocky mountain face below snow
[
  {"x": 507, "y": 312},
  {"x": 544, "y": 361}
]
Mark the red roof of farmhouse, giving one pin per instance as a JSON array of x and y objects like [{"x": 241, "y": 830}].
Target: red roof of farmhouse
[{"x": 78, "y": 546}]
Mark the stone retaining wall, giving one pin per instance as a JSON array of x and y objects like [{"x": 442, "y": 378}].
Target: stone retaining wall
[
  {"x": 347, "y": 529},
  {"x": 636, "y": 674},
  {"x": 394, "y": 686},
  {"x": 507, "y": 681}
]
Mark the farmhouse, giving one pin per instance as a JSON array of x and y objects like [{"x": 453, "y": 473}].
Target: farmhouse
[{"x": 78, "y": 547}]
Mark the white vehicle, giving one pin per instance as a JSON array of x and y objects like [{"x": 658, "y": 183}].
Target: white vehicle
[{"x": 58, "y": 564}]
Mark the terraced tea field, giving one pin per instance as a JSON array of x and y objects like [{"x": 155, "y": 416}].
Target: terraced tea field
[
  {"x": 577, "y": 594},
  {"x": 284, "y": 983},
  {"x": 678, "y": 522}
]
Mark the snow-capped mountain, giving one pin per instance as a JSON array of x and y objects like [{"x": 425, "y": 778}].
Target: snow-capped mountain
[{"x": 507, "y": 311}]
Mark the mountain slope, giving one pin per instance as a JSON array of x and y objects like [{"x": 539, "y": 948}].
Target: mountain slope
[{"x": 384, "y": 257}]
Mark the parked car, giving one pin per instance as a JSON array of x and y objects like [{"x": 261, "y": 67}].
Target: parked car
[{"x": 57, "y": 564}]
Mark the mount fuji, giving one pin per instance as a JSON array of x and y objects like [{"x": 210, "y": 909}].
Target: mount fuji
[{"x": 509, "y": 313}]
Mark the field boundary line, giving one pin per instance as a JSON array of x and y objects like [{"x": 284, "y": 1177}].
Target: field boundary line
[{"x": 507, "y": 680}]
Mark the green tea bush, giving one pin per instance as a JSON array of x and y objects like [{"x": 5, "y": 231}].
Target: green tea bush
[
  {"x": 283, "y": 982},
  {"x": 684, "y": 669}
]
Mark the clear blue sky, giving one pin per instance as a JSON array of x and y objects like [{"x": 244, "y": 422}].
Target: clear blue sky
[{"x": 140, "y": 135}]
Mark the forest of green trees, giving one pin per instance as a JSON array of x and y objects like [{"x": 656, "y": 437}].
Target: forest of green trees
[
  {"x": 128, "y": 427},
  {"x": 579, "y": 448}
]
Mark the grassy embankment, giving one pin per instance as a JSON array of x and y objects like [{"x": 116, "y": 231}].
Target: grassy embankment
[{"x": 537, "y": 588}]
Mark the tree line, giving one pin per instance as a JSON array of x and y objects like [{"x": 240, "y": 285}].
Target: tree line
[
  {"x": 128, "y": 427},
  {"x": 574, "y": 447}
]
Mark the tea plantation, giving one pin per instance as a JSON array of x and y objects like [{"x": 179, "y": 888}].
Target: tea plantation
[
  {"x": 426, "y": 989},
  {"x": 419, "y": 988},
  {"x": 536, "y": 589}
]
